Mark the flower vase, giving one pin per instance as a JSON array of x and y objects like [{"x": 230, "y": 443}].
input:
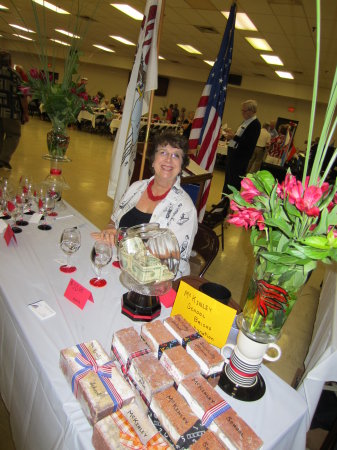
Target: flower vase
[
  {"x": 55, "y": 181},
  {"x": 272, "y": 293},
  {"x": 57, "y": 142}
]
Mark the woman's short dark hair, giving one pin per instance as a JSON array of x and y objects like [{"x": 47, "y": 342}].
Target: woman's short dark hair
[{"x": 174, "y": 140}]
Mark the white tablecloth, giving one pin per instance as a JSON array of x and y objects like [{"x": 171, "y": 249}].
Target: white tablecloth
[
  {"x": 44, "y": 414},
  {"x": 321, "y": 360}
]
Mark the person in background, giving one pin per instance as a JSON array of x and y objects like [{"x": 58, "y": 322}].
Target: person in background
[
  {"x": 182, "y": 115},
  {"x": 272, "y": 130},
  {"x": 160, "y": 199},
  {"x": 261, "y": 146},
  {"x": 241, "y": 146},
  {"x": 175, "y": 113},
  {"x": 187, "y": 124},
  {"x": 13, "y": 110},
  {"x": 169, "y": 113}
]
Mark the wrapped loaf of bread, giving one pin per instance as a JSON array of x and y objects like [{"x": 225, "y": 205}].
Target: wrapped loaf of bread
[
  {"x": 127, "y": 345},
  {"x": 177, "y": 418},
  {"x": 149, "y": 376},
  {"x": 158, "y": 337},
  {"x": 95, "y": 380},
  {"x": 181, "y": 329},
  {"x": 217, "y": 415},
  {"x": 127, "y": 428},
  {"x": 209, "y": 441}
]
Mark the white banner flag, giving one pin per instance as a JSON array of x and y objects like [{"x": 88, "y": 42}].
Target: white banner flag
[{"x": 144, "y": 78}]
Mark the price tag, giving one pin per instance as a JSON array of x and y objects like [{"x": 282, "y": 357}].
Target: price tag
[
  {"x": 78, "y": 294},
  {"x": 9, "y": 235},
  {"x": 212, "y": 319}
]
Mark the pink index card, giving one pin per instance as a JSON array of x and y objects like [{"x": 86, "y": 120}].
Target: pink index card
[
  {"x": 9, "y": 235},
  {"x": 78, "y": 294}
]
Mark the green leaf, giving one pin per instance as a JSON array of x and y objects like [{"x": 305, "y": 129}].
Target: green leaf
[
  {"x": 266, "y": 179},
  {"x": 291, "y": 209},
  {"x": 320, "y": 242},
  {"x": 284, "y": 259},
  {"x": 313, "y": 253},
  {"x": 281, "y": 224}
]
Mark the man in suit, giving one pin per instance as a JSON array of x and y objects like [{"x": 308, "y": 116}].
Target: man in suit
[{"x": 241, "y": 146}]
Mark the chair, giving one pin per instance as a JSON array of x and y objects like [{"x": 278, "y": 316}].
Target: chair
[
  {"x": 206, "y": 246},
  {"x": 216, "y": 216}
]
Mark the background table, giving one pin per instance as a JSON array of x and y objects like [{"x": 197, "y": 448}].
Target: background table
[
  {"x": 321, "y": 361},
  {"x": 44, "y": 414}
]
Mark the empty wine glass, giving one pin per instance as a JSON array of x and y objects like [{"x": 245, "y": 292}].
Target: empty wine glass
[
  {"x": 70, "y": 242},
  {"x": 120, "y": 234},
  {"x": 13, "y": 209},
  {"x": 101, "y": 255},
  {"x": 46, "y": 204},
  {"x": 20, "y": 205}
]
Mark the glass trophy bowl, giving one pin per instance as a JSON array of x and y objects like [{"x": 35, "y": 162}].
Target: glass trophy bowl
[{"x": 149, "y": 259}]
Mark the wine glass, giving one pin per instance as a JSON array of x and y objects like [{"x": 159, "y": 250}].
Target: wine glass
[
  {"x": 46, "y": 204},
  {"x": 101, "y": 255},
  {"x": 13, "y": 209},
  {"x": 5, "y": 194},
  {"x": 120, "y": 234},
  {"x": 70, "y": 242},
  {"x": 20, "y": 205}
]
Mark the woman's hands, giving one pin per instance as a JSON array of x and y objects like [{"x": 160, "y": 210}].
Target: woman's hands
[{"x": 107, "y": 235}]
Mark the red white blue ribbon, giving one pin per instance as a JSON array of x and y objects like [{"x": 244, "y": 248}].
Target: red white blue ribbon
[
  {"x": 104, "y": 372},
  {"x": 214, "y": 412}
]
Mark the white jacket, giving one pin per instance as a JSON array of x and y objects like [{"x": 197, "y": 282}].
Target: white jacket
[{"x": 176, "y": 212}]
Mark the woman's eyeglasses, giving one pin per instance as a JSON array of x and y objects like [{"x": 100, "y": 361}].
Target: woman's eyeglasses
[{"x": 165, "y": 153}]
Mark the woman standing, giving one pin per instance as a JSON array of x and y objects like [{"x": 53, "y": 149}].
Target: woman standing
[{"x": 160, "y": 199}]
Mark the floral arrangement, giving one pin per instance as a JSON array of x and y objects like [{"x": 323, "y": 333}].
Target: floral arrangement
[
  {"x": 61, "y": 101},
  {"x": 293, "y": 226}
]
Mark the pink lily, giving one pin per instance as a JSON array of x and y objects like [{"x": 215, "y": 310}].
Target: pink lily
[{"x": 248, "y": 190}]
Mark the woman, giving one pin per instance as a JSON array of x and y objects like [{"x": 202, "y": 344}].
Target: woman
[{"x": 160, "y": 199}]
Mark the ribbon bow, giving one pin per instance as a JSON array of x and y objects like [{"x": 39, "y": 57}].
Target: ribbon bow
[{"x": 104, "y": 372}]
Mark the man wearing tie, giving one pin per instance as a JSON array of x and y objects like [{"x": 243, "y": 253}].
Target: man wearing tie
[{"x": 241, "y": 146}]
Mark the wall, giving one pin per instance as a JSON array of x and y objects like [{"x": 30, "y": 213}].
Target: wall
[{"x": 112, "y": 81}]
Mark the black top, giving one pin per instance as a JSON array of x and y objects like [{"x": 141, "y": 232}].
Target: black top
[{"x": 134, "y": 217}]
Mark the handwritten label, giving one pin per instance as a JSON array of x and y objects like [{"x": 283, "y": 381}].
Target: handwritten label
[
  {"x": 9, "y": 235},
  {"x": 78, "y": 294},
  {"x": 212, "y": 319}
]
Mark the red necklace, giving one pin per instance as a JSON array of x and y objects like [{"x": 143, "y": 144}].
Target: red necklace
[{"x": 155, "y": 198}]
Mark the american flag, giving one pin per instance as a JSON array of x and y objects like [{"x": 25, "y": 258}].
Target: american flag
[
  {"x": 208, "y": 117},
  {"x": 143, "y": 80}
]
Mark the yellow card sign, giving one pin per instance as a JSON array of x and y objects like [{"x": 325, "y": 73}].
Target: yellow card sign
[{"x": 212, "y": 319}]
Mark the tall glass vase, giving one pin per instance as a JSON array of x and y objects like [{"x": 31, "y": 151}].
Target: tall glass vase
[
  {"x": 57, "y": 141},
  {"x": 270, "y": 299}
]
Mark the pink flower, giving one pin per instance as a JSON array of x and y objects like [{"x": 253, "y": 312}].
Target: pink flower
[
  {"x": 84, "y": 96},
  {"x": 307, "y": 203},
  {"x": 25, "y": 90},
  {"x": 334, "y": 231},
  {"x": 34, "y": 73},
  {"x": 246, "y": 217},
  {"x": 248, "y": 190}
]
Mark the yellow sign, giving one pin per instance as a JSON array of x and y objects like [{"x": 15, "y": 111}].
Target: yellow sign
[{"x": 212, "y": 319}]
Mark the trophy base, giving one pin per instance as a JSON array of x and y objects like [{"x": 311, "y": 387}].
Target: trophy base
[{"x": 140, "y": 307}]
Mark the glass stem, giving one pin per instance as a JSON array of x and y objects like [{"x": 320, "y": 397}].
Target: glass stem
[
  {"x": 68, "y": 260},
  {"x": 99, "y": 271}
]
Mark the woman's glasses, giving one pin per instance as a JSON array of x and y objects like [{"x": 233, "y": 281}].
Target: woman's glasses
[{"x": 165, "y": 154}]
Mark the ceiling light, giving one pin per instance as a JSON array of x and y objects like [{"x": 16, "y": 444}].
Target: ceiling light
[
  {"x": 189, "y": 49},
  {"x": 126, "y": 9},
  {"x": 60, "y": 42},
  {"x": 122, "y": 40},
  {"x": 66, "y": 33},
  {"x": 272, "y": 59},
  {"x": 22, "y": 37},
  {"x": 51, "y": 6},
  {"x": 27, "y": 30},
  {"x": 259, "y": 44},
  {"x": 106, "y": 49},
  {"x": 287, "y": 75},
  {"x": 3, "y": 7},
  {"x": 242, "y": 21},
  {"x": 210, "y": 63}
]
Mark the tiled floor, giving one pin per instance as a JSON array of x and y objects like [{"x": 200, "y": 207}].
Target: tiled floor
[{"x": 88, "y": 175}]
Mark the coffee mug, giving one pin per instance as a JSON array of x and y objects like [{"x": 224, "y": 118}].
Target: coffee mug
[{"x": 251, "y": 351}]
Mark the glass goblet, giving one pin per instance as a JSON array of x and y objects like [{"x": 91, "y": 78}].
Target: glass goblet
[
  {"x": 46, "y": 206},
  {"x": 20, "y": 204},
  {"x": 70, "y": 242},
  {"x": 14, "y": 212},
  {"x": 101, "y": 255}
]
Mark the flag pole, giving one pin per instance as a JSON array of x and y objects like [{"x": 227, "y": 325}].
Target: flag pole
[{"x": 149, "y": 117}]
